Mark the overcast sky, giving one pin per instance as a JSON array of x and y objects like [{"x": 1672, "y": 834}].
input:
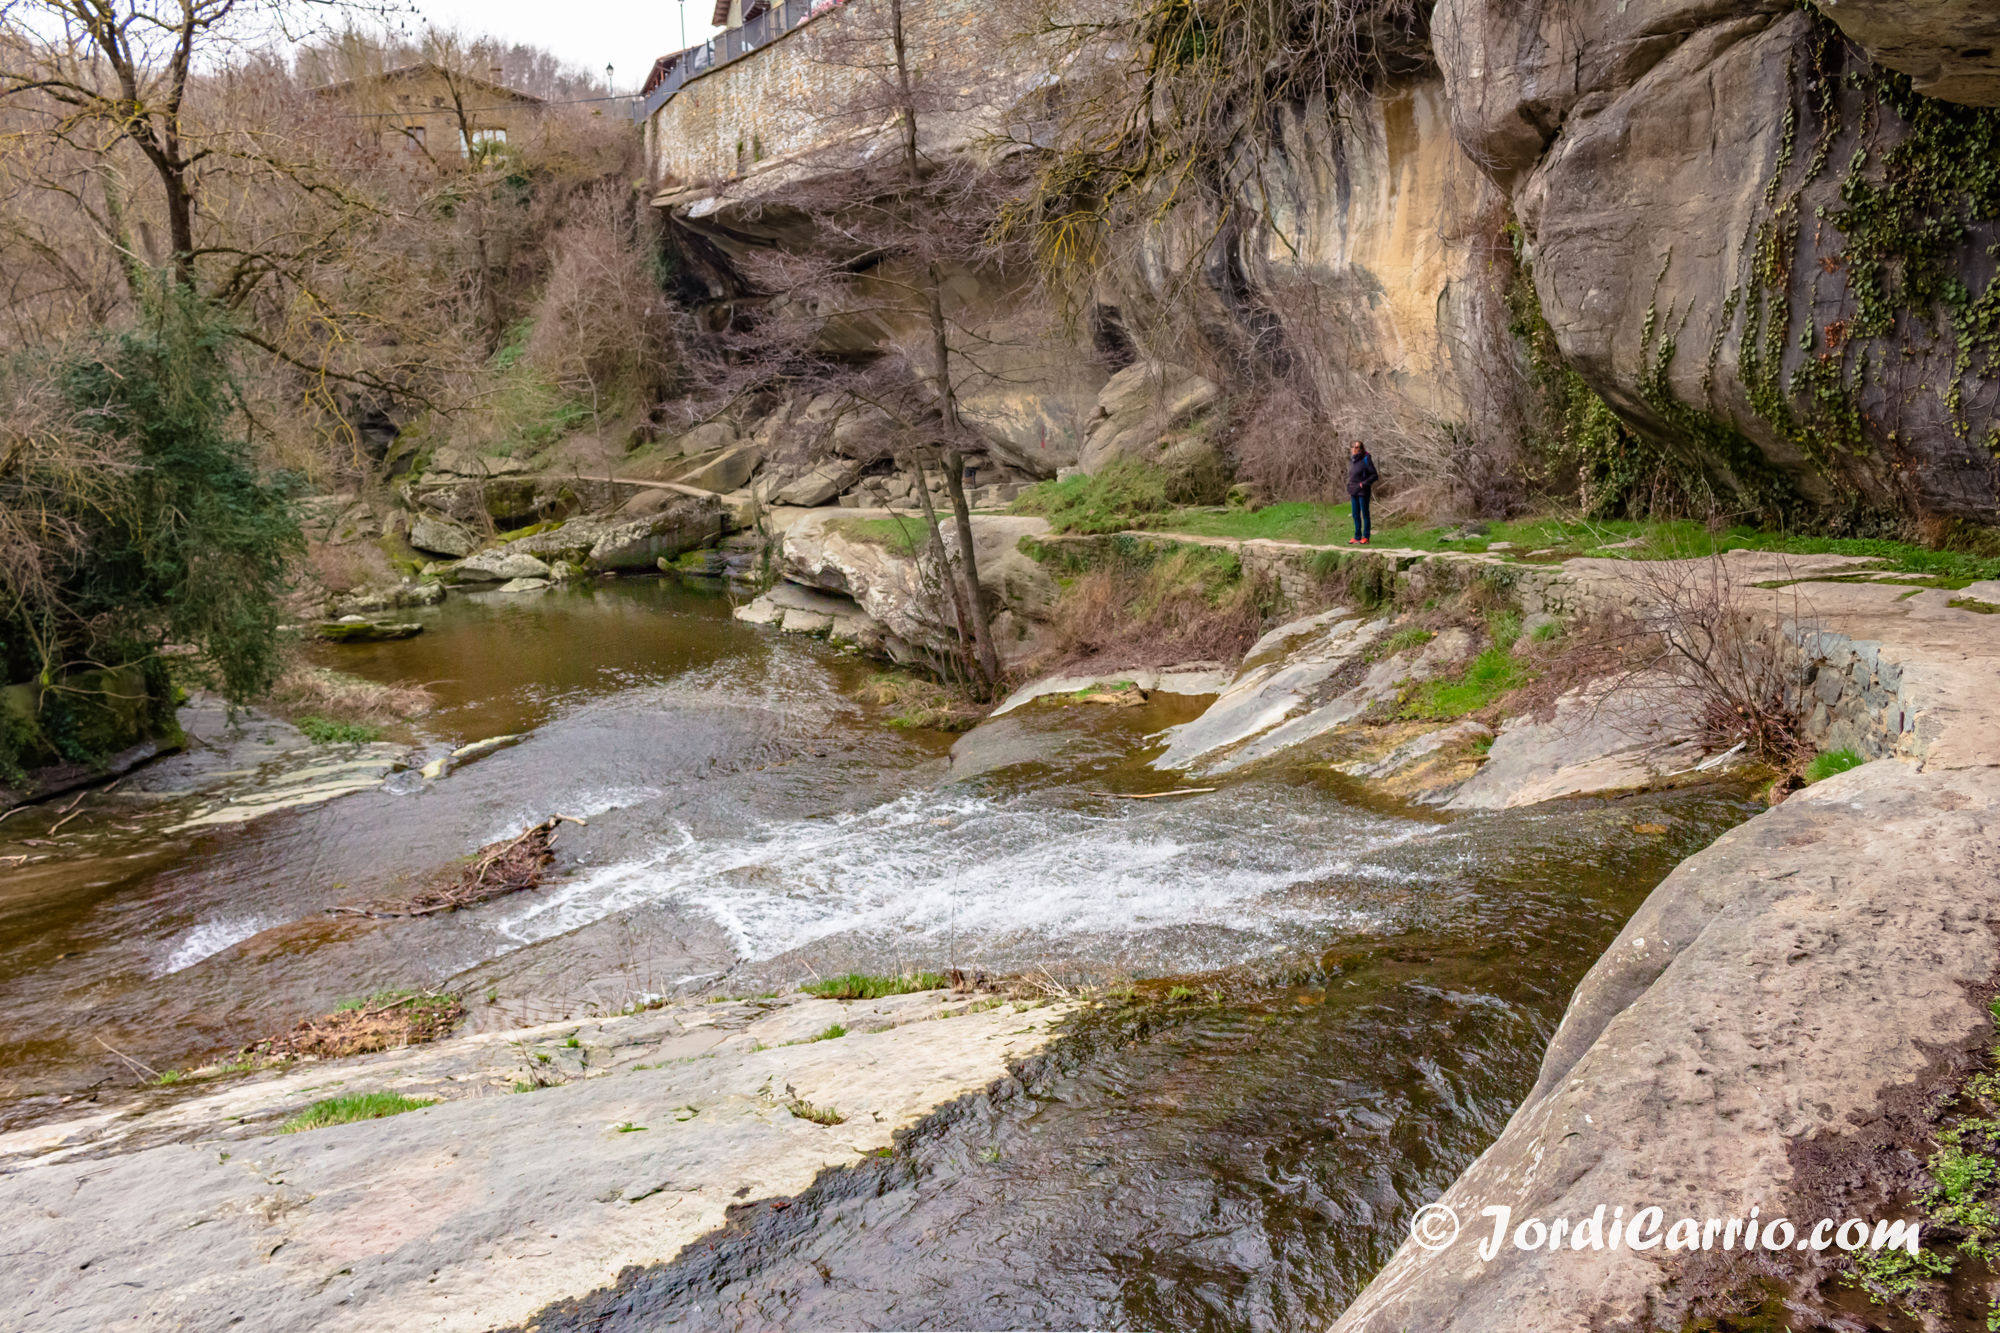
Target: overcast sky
[{"x": 592, "y": 33}]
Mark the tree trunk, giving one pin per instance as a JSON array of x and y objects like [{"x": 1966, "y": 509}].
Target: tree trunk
[
  {"x": 951, "y": 585},
  {"x": 947, "y": 398},
  {"x": 982, "y": 630}
]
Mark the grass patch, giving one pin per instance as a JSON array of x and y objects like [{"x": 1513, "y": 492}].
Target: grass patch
[
  {"x": 1973, "y": 604},
  {"x": 326, "y": 731},
  {"x": 1491, "y": 674},
  {"x": 900, "y": 535},
  {"x": 1826, "y": 765},
  {"x": 627, "y": 1127},
  {"x": 1404, "y": 639},
  {"x": 354, "y": 1106},
  {"x": 832, "y": 1031},
  {"x": 862, "y": 986},
  {"x": 1120, "y": 496},
  {"x": 819, "y": 1115},
  {"x": 1328, "y": 525}
]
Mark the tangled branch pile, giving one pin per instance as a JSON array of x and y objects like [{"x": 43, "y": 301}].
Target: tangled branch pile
[
  {"x": 513, "y": 865},
  {"x": 381, "y": 1023}
]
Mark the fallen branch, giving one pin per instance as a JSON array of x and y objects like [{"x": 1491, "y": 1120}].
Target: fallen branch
[
  {"x": 1154, "y": 795},
  {"x": 513, "y": 866},
  {"x": 138, "y": 1066}
]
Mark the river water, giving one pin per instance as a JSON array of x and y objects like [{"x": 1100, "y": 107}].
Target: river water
[{"x": 1338, "y": 1002}]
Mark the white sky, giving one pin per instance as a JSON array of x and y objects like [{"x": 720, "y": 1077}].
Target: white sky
[{"x": 626, "y": 34}]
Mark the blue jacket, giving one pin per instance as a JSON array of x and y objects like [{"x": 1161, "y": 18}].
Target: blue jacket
[{"x": 1361, "y": 475}]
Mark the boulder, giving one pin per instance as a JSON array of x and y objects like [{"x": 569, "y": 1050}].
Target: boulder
[
  {"x": 1138, "y": 406},
  {"x": 364, "y": 600},
  {"x": 819, "y": 485},
  {"x": 834, "y": 551},
  {"x": 439, "y": 536},
  {"x": 524, "y": 585},
  {"x": 739, "y": 510},
  {"x": 1753, "y": 1036},
  {"x": 705, "y": 438},
  {"x": 675, "y": 523},
  {"x": 454, "y": 463},
  {"x": 728, "y": 471},
  {"x": 801, "y": 610},
  {"x": 642, "y": 543},
  {"x": 499, "y": 566}
]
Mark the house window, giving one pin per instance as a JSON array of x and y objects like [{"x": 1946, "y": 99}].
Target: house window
[
  {"x": 409, "y": 138},
  {"x": 486, "y": 142}
]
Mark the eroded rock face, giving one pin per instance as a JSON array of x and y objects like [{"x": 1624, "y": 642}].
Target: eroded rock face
[
  {"x": 1949, "y": 48},
  {"x": 646, "y": 1132},
  {"x": 1653, "y": 153}
]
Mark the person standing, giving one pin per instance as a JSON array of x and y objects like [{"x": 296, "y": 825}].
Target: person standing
[{"x": 1361, "y": 479}]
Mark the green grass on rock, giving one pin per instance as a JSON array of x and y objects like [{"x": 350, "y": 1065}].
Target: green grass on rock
[{"x": 354, "y": 1106}]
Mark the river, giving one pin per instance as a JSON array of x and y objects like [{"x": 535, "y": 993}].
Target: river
[{"x": 1336, "y": 1002}]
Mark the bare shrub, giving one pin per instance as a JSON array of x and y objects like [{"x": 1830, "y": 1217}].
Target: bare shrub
[
  {"x": 1182, "y": 608},
  {"x": 602, "y": 326},
  {"x": 1739, "y": 682}
]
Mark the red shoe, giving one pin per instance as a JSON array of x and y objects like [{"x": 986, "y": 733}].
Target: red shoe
[
  {"x": 1363, "y": 542},
  {"x": 1354, "y": 541}
]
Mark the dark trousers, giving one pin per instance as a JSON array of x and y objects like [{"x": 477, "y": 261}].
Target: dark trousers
[{"x": 1362, "y": 524}]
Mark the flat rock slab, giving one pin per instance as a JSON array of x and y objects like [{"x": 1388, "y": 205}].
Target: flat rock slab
[
  {"x": 1196, "y": 678},
  {"x": 1600, "y": 739},
  {"x": 481, "y": 1209}
]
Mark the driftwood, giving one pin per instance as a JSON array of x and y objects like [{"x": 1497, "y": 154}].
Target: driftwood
[
  {"x": 1152, "y": 795},
  {"x": 514, "y": 865}
]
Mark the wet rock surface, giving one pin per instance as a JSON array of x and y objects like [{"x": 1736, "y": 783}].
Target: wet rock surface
[{"x": 551, "y": 1158}]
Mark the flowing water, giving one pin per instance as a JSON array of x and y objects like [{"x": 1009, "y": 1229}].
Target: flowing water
[{"x": 1360, "y": 992}]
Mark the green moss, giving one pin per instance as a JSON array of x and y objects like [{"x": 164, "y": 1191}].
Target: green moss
[
  {"x": 355, "y": 1106},
  {"x": 1575, "y": 433}
]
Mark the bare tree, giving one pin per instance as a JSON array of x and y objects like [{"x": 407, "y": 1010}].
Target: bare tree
[{"x": 898, "y": 196}]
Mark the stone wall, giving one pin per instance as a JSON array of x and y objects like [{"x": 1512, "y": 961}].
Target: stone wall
[{"x": 822, "y": 84}]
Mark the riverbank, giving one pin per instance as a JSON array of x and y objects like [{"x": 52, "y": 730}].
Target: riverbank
[{"x": 1325, "y": 908}]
